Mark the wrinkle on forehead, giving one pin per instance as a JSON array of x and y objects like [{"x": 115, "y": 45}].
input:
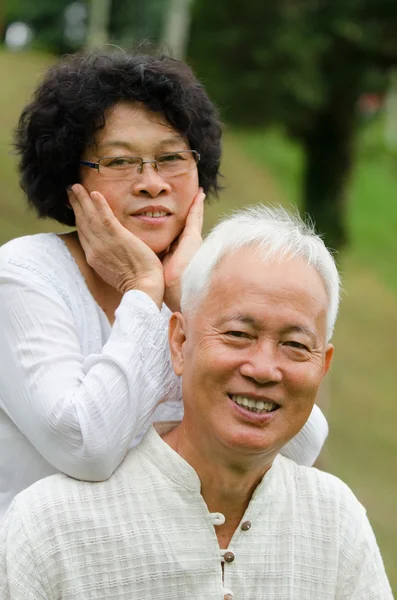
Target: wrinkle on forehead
[
  {"x": 122, "y": 116},
  {"x": 252, "y": 288},
  {"x": 248, "y": 257}
]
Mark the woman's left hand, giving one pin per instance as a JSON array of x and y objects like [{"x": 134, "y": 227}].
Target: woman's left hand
[{"x": 181, "y": 252}]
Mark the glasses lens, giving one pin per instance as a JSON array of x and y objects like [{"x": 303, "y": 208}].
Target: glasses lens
[
  {"x": 176, "y": 163},
  {"x": 119, "y": 166}
]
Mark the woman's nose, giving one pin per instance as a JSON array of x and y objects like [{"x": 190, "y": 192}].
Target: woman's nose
[{"x": 149, "y": 182}]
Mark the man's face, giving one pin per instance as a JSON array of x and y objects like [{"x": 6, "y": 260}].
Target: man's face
[{"x": 254, "y": 354}]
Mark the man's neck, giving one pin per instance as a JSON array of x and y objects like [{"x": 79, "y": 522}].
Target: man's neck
[{"x": 227, "y": 485}]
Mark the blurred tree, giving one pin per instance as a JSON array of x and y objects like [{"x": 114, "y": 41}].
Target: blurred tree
[
  {"x": 176, "y": 27},
  {"x": 99, "y": 18},
  {"x": 135, "y": 20},
  {"x": 302, "y": 63},
  {"x": 47, "y": 19},
  {"x": 131, "y": 21}
]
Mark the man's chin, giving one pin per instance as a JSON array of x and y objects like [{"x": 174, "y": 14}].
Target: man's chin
[{"x": 262, "y": 444}]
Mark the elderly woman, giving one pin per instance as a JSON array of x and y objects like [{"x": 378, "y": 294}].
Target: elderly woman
[{"x": 124, "y": 148}]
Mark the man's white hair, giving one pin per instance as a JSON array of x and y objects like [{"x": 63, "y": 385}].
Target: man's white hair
[{"x": 279, "y": 234}]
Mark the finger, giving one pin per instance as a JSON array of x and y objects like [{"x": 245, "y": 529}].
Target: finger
[
  {"x": 85, "y": 212},
  {"x": 80, "y": 218},
  {"x": 171, "y": 249},
  {"x": 195, "y": 216},
  {"x": 74, "y": 203},
  {"x": 85, "y": 244},
  {"x": 105, "y": 214},
  {"x": 94, "y": 215},
  {"x": 83, "y": 200}
]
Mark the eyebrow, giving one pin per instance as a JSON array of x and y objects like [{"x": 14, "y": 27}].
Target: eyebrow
[
  {"x": 241, "y": 318},
  {"x": 257, "y": 325},
  {"x": 301, "y": 329},
  {"x": 127, "y": 146}
]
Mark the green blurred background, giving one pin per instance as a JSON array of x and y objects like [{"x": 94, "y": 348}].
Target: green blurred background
[{"x": 307, "y": 93}]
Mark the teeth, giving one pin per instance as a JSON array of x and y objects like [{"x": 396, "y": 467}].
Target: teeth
[
  {"x": 154, "y": 214},
  {"x": 254, "y": 405}
]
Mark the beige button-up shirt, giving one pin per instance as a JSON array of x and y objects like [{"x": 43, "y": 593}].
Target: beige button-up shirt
[{"x": 146, "y": 534}]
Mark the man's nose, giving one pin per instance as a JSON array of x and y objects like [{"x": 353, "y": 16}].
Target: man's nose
[
  {"x": 263, "y": 364},
  {"x": 149, "y": 182}
]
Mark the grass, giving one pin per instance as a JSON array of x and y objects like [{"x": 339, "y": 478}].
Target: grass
[{"x": 265, "y": 167}]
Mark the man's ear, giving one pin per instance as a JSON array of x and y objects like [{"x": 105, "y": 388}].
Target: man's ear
[
  {"x": 176, "y": 339},
  {"x": 329, "y": 353}
]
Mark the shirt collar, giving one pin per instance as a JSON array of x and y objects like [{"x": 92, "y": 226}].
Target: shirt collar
[{"x": 173, "y": 466}]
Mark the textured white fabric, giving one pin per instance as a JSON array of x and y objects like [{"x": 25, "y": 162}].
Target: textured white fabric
[
  {"x": 75, "y": 393},
  {"x": 146, "y": 534}
]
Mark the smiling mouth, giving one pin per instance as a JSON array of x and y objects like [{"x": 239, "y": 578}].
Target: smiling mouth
[
  {"x": 152, "y": 214},
  {"x": 256, "y": 406}
]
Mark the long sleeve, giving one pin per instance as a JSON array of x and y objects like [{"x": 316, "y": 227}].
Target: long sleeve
[
  {"x": 363, "y": 575},
  {"x": 80, "y": 412},
  {"x": 19, "y": 574},
  {"x": 305, "y": 447}
]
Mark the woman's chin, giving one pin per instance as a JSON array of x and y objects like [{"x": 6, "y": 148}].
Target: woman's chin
[
  {"x": 159, "y": 244},
  {"x": 159, "y": 249},
  {"x": 155, "y": 243}
]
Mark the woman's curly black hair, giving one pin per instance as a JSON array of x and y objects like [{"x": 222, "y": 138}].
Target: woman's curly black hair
[{"x": 70, "y": 105}]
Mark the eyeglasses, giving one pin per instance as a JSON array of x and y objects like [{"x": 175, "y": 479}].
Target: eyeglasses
[{"x": 170, "y": 164}]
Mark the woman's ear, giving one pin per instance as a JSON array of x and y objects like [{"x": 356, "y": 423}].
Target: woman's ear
[{"x": 176, "y": 339}]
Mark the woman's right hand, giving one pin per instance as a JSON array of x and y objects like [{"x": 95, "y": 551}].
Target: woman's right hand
[{"x": 118, "y": 256}]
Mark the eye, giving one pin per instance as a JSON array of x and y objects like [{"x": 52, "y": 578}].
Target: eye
[
  {"x": 120, "y": 162},
  {"x": 297, "y": 345},
  {"x": 167, "y": 158},
  {"x": 238, "y": 334}
]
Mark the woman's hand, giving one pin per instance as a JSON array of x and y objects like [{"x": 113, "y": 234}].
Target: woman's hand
[
  {"x": 181, "y": 252},
  {"x": 118, "y": 256}
]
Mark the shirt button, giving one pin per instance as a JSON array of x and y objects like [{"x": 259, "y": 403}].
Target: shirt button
[
  {"x": 229, "y": 556},
  {"x": 217, "y": 518},
  {"x": 246, "y": 525},
  {"x": 228, "y": 597}
]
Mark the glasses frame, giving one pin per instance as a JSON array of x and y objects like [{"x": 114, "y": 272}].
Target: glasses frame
[{"x": 96, "y": 165}]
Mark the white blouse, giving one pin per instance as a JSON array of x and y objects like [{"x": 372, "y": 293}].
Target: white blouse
[
  {"x": 146, "y": 534},
  {"x": 76, "y": 393}
]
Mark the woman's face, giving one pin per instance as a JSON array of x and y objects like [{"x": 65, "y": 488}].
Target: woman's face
[{"x": 132, "y": 130}]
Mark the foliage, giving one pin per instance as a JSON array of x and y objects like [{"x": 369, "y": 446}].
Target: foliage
[
  {"x": 130, "y": 21},
  {"x": 282, "y": 59},
  {"x": 303, "y": 64},
  {"x": 133, "y": 21},
  {"x": 46, "y": 17}
]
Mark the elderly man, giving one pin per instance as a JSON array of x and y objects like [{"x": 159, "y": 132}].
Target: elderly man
[{"x": 207, "y": 508}]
